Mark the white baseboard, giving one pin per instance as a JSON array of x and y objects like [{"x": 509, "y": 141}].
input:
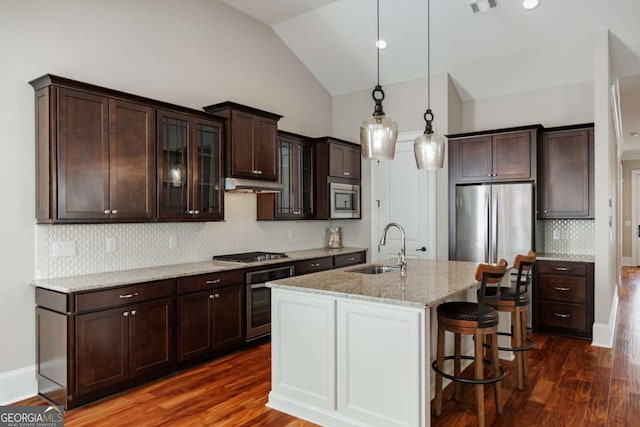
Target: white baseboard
[
  {"x": 603, "y": 333},
  {"x": 627, "y": 261},
  {"x": 18, "y": 385}
]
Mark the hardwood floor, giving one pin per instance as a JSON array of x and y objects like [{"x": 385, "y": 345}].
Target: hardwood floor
[{"x": 570, "y": 383}]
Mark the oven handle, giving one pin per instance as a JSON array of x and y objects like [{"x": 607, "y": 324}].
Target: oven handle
[{"x": 257, "y": 285}]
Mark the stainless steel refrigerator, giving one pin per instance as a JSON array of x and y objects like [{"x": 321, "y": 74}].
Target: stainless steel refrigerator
[{"x": 493, "y": 221}]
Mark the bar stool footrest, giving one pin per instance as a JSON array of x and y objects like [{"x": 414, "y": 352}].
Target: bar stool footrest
[
  {"x": 529, "y": 343},
  {"x": 491, "y": 380}
]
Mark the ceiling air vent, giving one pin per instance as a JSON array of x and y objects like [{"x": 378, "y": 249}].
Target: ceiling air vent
[{"x": 481, "y": 6}]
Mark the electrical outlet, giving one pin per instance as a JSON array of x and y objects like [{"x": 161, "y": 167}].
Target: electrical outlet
[
  {"x": 111, "y": 244},
  {"x": 173, "y": 241},
  {"x": 66, "y": 248}
]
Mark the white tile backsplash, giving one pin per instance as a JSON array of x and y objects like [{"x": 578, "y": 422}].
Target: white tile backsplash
[
  {"x": 566, "y": 236},
  {"x": 149, "y": 245}
]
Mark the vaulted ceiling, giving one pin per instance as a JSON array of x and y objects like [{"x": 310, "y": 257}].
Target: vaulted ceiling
[{"x": 505, "y": 50}]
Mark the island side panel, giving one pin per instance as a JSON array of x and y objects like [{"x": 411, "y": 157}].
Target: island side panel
[
  {"x": 381, "y": 369},
  {"x": 303, "y": 349}
]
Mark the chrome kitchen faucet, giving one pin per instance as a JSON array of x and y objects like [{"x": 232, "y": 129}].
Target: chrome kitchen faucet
[{"x": 402, "y": 256}]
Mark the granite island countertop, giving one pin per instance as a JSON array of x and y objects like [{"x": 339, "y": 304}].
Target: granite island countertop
[
  {"x": 427, "y": 282},
  {"x": 89, "y": 282}
]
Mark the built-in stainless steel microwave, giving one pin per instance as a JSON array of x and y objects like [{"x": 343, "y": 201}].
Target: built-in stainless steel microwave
[{"x": 345, "y": 200}]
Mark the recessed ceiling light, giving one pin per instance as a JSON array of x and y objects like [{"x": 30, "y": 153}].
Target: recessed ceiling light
[
  {"x": 633, "y": 134},
  {"x": 381, "y": 44},
  {"x": 530, "y": 4}
]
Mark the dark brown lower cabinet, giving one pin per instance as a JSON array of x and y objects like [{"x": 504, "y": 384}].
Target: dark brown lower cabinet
[
  {"x": 209, "y": 321},
  {"x": 564, "y": 298},
  {"x": 92, "y": 344}
]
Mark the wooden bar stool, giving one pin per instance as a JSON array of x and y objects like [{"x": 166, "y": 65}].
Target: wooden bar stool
[
  {"x": 515, "y": 300},
  {"x": 479, "y": 320}
]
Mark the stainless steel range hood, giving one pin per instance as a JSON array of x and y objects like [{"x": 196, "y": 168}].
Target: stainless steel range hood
[{"x": 251, "y": 186}]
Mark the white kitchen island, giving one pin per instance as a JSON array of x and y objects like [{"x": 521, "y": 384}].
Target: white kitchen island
[{"x": 353, "y": 349}]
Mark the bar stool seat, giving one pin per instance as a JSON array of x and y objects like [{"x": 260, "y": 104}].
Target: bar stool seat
[
  {"x": 515, "y": 300},
  {"x": 481, "y": 321}
]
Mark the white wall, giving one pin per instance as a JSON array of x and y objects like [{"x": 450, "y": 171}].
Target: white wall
[
  {"x": 191, "y": 53},
  {"x": 555, "y": 106}
]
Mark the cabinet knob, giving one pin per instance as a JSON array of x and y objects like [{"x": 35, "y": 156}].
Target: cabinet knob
[
  {"x": 114, "y": 211},
  {"x": 347, "y": 174},
  {"x": 190, "y": 212},
  {"x": 125, "y": 314},
  {"x": 257, "y": 172},
  {"x": 216, "y": 295},
  {"x": 490, "y": 175},
  {"x": 133, "y": 312},
  {"x": 107, "y": 211},
  {"x": 196, "y": 212},
  {"x": 211, "y": 296},
  {"x": 546, "y": 211},
  {"x": 297, "y": 213}
]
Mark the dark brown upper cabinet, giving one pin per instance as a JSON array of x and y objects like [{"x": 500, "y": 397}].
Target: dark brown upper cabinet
[
  {"x": 296, "y": 156},
  {"x": 344, "y": 160},
  {"x": 501, "y": 155},
  {"x": 566, "y": 172},
  {"x": 190, "y": 180},
  {"x": 251, "y": 141},
  {"x": 94, "y": 155}
]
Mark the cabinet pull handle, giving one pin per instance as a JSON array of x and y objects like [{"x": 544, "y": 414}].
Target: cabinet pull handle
[
  {"x": 135, "y": 294},
  {"x": 133, "y": 312},
  {"x": 257, "y": 172},
  {"x": 315, "y": 264},
  {"x": 196, "y": 212},
  {"x": 125, "y": 314},
  {"x": 557, "y": 288},
  {"x": 216, "y": 295},
  {"x": 211, "y": 296},
  {"x": 562, "y": 269},
  {"x": 347, "y": 174},
  {"x": 114, "y": 211},
  {"x": 213, "y": 282},
  {"x": 563, "y": 316},
  {"x": 351, "y": 259},
  {"x": 107, "y": 211},
  {"x": 190, "y": 212},
  {"x": 296, "y": 212}
]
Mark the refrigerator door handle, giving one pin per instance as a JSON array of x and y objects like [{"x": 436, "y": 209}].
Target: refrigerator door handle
[
  {"x": 487, "y": 210},
  {"x": 494, "y": 228}
]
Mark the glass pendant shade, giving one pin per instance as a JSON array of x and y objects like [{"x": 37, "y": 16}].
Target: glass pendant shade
[
  {"x": 429, "y": 151},
  {"x": 378, "y": 137}
]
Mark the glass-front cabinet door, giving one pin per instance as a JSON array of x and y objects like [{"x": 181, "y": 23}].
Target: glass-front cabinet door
[
  {"x": 189, "y": 167},
  {"x": 295, "y": 157},
  {"x": 174, "y": 165},
  {"x": 208, "y": 180}
]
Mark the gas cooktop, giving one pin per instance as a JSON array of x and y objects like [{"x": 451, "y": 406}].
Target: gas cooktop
[{"x": 251, "y": 256}]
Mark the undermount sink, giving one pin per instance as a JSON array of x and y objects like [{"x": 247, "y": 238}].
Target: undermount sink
[{"x": 375, "y": 269}]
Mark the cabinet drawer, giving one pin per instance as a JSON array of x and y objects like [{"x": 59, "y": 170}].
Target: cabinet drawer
[
  {"x": 348, "y": 259},
  {"x": 566, "y": 316},
  {"x": 203, "y": 282},
  {"x": 313, "y": 265},
  {"x": 126, "y": 295},
  {"x": 568, "y": 268},
  {"x": 563, "y": 288}
]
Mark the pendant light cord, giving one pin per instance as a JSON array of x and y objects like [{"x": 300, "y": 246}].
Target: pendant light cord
[
  {"x": 378, "y": 38},
  {"x": 428, "y": 54}
]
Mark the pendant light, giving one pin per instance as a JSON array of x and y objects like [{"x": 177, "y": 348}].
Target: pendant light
[
  {"x": 429, "y": 147},
  {"x": 378, "y": 133}
]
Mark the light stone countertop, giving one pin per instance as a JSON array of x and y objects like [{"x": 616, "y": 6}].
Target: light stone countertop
[
  {"x": 90, "y": 282},
  {"x": 565, "y": 257},
  {"x": 427, "y": 282}
]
